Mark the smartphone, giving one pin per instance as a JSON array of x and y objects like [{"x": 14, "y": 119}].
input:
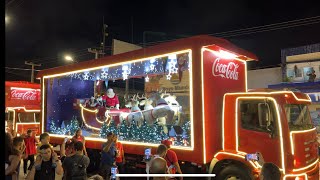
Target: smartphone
[
  {"x": 250, "y": 157},
  {"x": 113, "y": 173},
  {"x": 147, "y": 154}
]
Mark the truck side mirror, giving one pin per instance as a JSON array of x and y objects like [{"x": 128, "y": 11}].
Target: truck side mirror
[{"x": 272, "y": 134}]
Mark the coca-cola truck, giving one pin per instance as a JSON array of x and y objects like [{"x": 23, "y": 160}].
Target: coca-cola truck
[
  {"x": 22, "y": 103},
  {"x": 196, "y": 89}
]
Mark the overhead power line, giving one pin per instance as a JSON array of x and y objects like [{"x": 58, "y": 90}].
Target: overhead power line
[
  {"x": 256, "y": 29},
  {"x": 23, "y": 69},
  {"x": 232, "y": 33}
]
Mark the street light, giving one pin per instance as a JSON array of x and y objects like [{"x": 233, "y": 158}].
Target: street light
[
  {"x": 68, "y": 58},
  {"x": 7, "y": 19}
]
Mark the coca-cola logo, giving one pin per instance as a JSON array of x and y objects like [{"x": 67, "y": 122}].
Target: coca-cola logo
[
  {"x": 225, "y": 70},
  {"x": 30, "y": 95}
]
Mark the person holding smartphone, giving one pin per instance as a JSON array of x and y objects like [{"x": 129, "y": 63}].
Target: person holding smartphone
[
  {"x": 161, "y": 153},
  {"x": 108, "y": 155},
  {"x": 269, "y": 171}
]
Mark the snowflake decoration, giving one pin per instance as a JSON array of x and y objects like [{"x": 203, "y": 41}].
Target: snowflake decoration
[
  {"x": 104, "y": 74},
  {"x": 86, "y": 76},
  {"x": 152, "y": 67},
  {"x": 124, "y": 76},
  {"x": 175, "y": 70},
  {"x": 147, "y": 79},
  {"x": 169, "y": 76}
]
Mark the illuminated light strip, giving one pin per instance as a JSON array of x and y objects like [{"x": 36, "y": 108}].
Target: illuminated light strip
[
  {"x": 279, "y": 122},
  {"x": 24, "y": 123},
  {"x": 297, "y": 132},
  {"x": 203, "y": 114},
  {"x": 116, "y": 64},
  {"x": 94, "y": 111},
  {"x": 223, "y": 104},
  {"x": 90, "y": 110},
  {"x": 14, "y": 117},
  {"x": 310, "y": 165},
  {"x": 165, "y": 175},
  {"x": 237, "y": 155},
  {"x": 42, "y": 81},
  {"x": 14, "y": 113},
  {"x": 25, "y": 88},
  {"x": 218, "y": 54},
  {"x": 191, "y": 99},
  {"x": 26, "y": 110},
  {"x": 295, "y": 175},
  {"x": 84, "y": 120},
  {"x": 124, "y": 142},
  {"x": 277, "y": 92}
]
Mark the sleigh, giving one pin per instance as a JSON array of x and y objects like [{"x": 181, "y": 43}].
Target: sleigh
[{"x": 94, "y": 117}]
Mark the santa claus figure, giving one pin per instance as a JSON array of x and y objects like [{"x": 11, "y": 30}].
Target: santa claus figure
[{"x": 112, "y": 99}]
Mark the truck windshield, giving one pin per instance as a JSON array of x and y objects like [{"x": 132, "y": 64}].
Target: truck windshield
[
  {"x": 24, "y": 117},
  {"x": 298, "y": 117}
]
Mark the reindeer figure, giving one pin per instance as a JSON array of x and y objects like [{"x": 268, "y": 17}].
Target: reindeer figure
[
  {"x": 174, "y": 104},
  {"x": 147, "y": 102},
  {"x": 162, "y": 113},
  {"x": 135, "y": 114}
]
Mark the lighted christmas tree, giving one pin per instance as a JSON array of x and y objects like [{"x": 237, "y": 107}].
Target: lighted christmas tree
[
  {"x": 134, "y": 131},
  {"x": 74, "y": 125},
  {"x": 104, "y": 130},
  {"x": 123, "y": 131},
  {"x": 53, "y": 128},
  {"x": 113, "y": 128},
  {"x": 186, "y": 132}
]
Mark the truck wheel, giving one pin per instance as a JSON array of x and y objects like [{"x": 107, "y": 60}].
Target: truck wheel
[{"x": 234, "y": 172}]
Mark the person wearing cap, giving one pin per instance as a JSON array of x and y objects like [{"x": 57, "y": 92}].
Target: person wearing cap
[
  {"x": 108, "y": 155},
  {"x": 172, "y": 159}
]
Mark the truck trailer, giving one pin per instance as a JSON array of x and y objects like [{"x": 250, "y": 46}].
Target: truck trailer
[
  {"x": 206, "y": 109},
  {"x": 22, "y": 103}
]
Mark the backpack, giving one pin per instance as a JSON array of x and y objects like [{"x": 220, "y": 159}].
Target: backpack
[{"x": 79, "y": 171}]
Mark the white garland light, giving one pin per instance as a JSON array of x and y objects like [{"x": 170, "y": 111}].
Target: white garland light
[{"x": 147, "y": 79}]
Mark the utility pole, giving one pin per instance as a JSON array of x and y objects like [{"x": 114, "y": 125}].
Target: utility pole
[
  {"x": 104, "y": 34},
  {"x": 96, "y": 51},
  {"x": 100, "y": 50},
  {"x": 32, "y": 69}
]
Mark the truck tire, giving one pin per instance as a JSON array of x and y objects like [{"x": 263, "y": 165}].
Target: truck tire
[{"x": 234, "y": 172}]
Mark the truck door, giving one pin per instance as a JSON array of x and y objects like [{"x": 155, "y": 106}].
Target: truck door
[{"x": 257, "y": 128}]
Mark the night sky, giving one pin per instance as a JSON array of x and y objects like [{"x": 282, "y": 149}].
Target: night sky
[{"x": 42, "y": 31}]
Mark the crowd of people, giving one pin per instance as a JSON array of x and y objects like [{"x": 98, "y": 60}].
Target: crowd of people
[{"x": 73, "y": 160}]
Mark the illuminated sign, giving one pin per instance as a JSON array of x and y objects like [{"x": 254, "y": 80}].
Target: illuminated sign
[
  {"x": 25, "y": 94},
  {"x": 225, "y": 69}
]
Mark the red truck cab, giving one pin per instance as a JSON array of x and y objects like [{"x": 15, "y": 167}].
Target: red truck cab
[
  {"x": 22, "y": 102},
  {"x": 274, "y": 123}
]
